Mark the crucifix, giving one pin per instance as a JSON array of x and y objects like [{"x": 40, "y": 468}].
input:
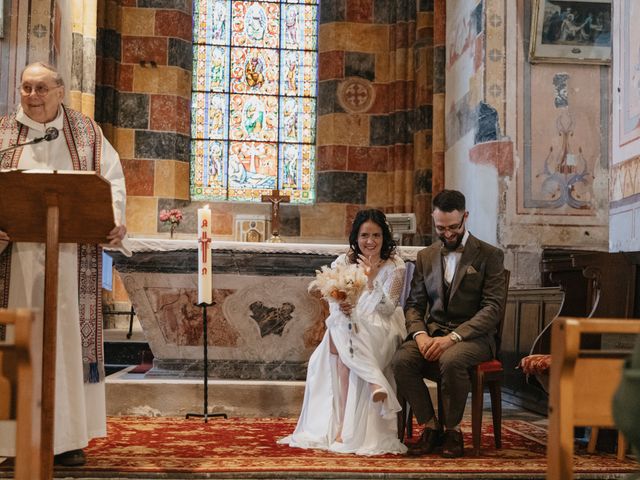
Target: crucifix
[{"x": 275, "y": 198}]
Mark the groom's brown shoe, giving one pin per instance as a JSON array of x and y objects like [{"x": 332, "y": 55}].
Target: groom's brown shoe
[
  {"x": 428, "y": 442},
  {"x": 453, "y": 446}
]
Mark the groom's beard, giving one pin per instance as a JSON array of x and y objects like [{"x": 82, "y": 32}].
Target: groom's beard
[{"x": 453, "y": 243}]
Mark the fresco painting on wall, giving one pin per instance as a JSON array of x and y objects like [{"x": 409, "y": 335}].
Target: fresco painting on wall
[
  {"x": 560, "y": 159},
  {"x": 629, "y": 74},
  {"x": 570, "y": 31},
  {"x": 467, "y": 24}
]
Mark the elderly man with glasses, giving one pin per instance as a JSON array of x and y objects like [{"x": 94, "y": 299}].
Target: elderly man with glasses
[
  {"x": 452, "y": 314},
  {"x": 80, "y": 145}
]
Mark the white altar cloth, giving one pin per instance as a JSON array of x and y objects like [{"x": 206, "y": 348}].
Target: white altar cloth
[{"x": 167, "y": 245}]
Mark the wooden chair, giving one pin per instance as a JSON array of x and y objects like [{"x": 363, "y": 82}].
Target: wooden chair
[
  {"x": 582, "y": 386},
  {"x": 539, "y": 355},
  {"x": 486, "y": 374},
  {"x": 489, "y": 374},
  {"x": 27, "y": 441}
]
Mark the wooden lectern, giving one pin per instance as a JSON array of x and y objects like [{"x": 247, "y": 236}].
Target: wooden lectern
[{"x": 53, "y": 207}]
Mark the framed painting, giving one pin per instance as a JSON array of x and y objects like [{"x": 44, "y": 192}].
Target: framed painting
[
  {"x": 571, "y": 31},
  {"x": 626, "y": 77}
]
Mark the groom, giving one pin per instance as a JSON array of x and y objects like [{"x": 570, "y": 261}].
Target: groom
[{"x": 451, "y": 314}]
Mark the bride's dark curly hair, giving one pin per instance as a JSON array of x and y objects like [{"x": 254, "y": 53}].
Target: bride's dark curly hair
[{"x": 379, "y": 218}]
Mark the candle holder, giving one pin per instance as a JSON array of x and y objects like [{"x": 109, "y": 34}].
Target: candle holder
[
  {"x": 205, "y": 412},
  {"x": 275, "y": 238}
]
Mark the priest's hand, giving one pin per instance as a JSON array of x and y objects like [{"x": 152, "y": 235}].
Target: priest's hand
[{"x": 117, "y": 234}]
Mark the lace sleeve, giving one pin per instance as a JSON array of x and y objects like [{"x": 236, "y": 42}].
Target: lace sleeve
[
  {"x": 391, "y": 289},
  {"x": 396, "y": 284},
  {"x": 342, "y": 259}
]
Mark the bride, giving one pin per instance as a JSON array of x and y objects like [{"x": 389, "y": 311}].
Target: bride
[{"x": 350, "y": 404}]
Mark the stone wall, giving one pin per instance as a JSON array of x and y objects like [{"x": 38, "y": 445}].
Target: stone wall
[
  {"x": 142, "y": 100},
  {"x": 374, "y": 121}
]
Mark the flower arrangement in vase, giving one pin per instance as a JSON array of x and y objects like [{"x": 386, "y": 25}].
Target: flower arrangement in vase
[{"x": 173, "y": 217}]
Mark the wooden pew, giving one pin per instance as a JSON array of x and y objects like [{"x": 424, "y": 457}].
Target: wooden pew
[
  {"x": 582, "y": 385},
  {"x": 27, "y": 434}
]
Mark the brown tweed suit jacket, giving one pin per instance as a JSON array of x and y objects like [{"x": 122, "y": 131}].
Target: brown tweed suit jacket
[{"x": 474, "y": 298}]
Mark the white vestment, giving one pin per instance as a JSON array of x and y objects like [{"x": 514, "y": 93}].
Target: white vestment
[
  {"x": 369, "y": 428},
  {"x": 80, "y": 412}
]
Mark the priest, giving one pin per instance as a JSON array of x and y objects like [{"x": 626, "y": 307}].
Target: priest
[{"x": 72, "y": 141}]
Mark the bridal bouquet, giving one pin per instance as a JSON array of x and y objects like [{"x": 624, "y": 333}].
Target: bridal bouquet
[{"x": 342, "y": 283}]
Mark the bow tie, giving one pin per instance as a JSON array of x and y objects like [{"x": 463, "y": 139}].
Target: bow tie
[{"x": 445, "y": 251}]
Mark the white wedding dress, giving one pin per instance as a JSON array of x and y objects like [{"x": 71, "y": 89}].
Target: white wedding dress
[{"x": 370, "y": 428}]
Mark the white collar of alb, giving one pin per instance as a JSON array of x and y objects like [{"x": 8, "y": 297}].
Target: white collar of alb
[{"x": 24, "y": 119}]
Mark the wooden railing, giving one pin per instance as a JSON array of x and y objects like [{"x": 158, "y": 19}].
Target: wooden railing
[
  {"x": 27, "y": 465},
  {"x": 582, "y": 386}
]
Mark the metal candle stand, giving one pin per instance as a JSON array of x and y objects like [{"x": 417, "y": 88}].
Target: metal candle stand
[{"x": 205, "y": 414}]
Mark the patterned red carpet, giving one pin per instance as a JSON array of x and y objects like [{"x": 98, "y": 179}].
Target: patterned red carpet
[{"x": 180, "y": 448}]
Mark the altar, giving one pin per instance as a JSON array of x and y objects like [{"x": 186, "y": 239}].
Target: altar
[{"x": 263, "y": 324}]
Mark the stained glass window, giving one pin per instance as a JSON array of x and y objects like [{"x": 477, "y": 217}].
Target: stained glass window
[{"x": 253, "y": 103}]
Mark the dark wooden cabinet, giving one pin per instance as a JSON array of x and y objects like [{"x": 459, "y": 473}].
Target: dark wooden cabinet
[
  {"x": 574, "y": 283},
  {"x": 597, "y": 284},
  {"x": 529, "y": 311}
]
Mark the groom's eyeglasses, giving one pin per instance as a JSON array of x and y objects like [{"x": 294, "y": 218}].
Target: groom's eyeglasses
[{"x": 450, "y": 228}]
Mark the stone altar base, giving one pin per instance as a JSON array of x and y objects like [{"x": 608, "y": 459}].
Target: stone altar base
[
  {"x": 132, "y": 394},
  {"x": 264, "y": 324},
  {"x": 228, "y": 369}
]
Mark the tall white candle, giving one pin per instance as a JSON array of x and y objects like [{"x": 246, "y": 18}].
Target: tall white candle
[{"x": 204, "y": 255}]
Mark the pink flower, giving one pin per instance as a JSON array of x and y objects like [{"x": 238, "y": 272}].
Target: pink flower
[{"x": 174, "y": 216}]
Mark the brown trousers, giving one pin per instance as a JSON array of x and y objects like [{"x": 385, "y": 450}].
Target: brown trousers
[{"x": 451, "y": 371}]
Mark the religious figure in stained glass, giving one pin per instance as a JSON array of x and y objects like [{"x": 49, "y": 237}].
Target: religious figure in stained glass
[
  {"x": 216, "y": 115},
  {"x": 253, "y": 72},
  {"x": 215, "y": 164},
  {"x": 237, "y": 171},
  {"x": 242, "y": 177},
  {"x": 219, "y": 21},
  {"x": 254, "y": 99},
  {"x": 217, "y": 69},
  {"x": 290, "y": 173},
  {"x": 253, "y": 117},
  {"x": 291, "y": 120},
  {"x": 255, "y": 23},
  {"x": 291, "y": 27},
  {"x": 292, "y": 74}
]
